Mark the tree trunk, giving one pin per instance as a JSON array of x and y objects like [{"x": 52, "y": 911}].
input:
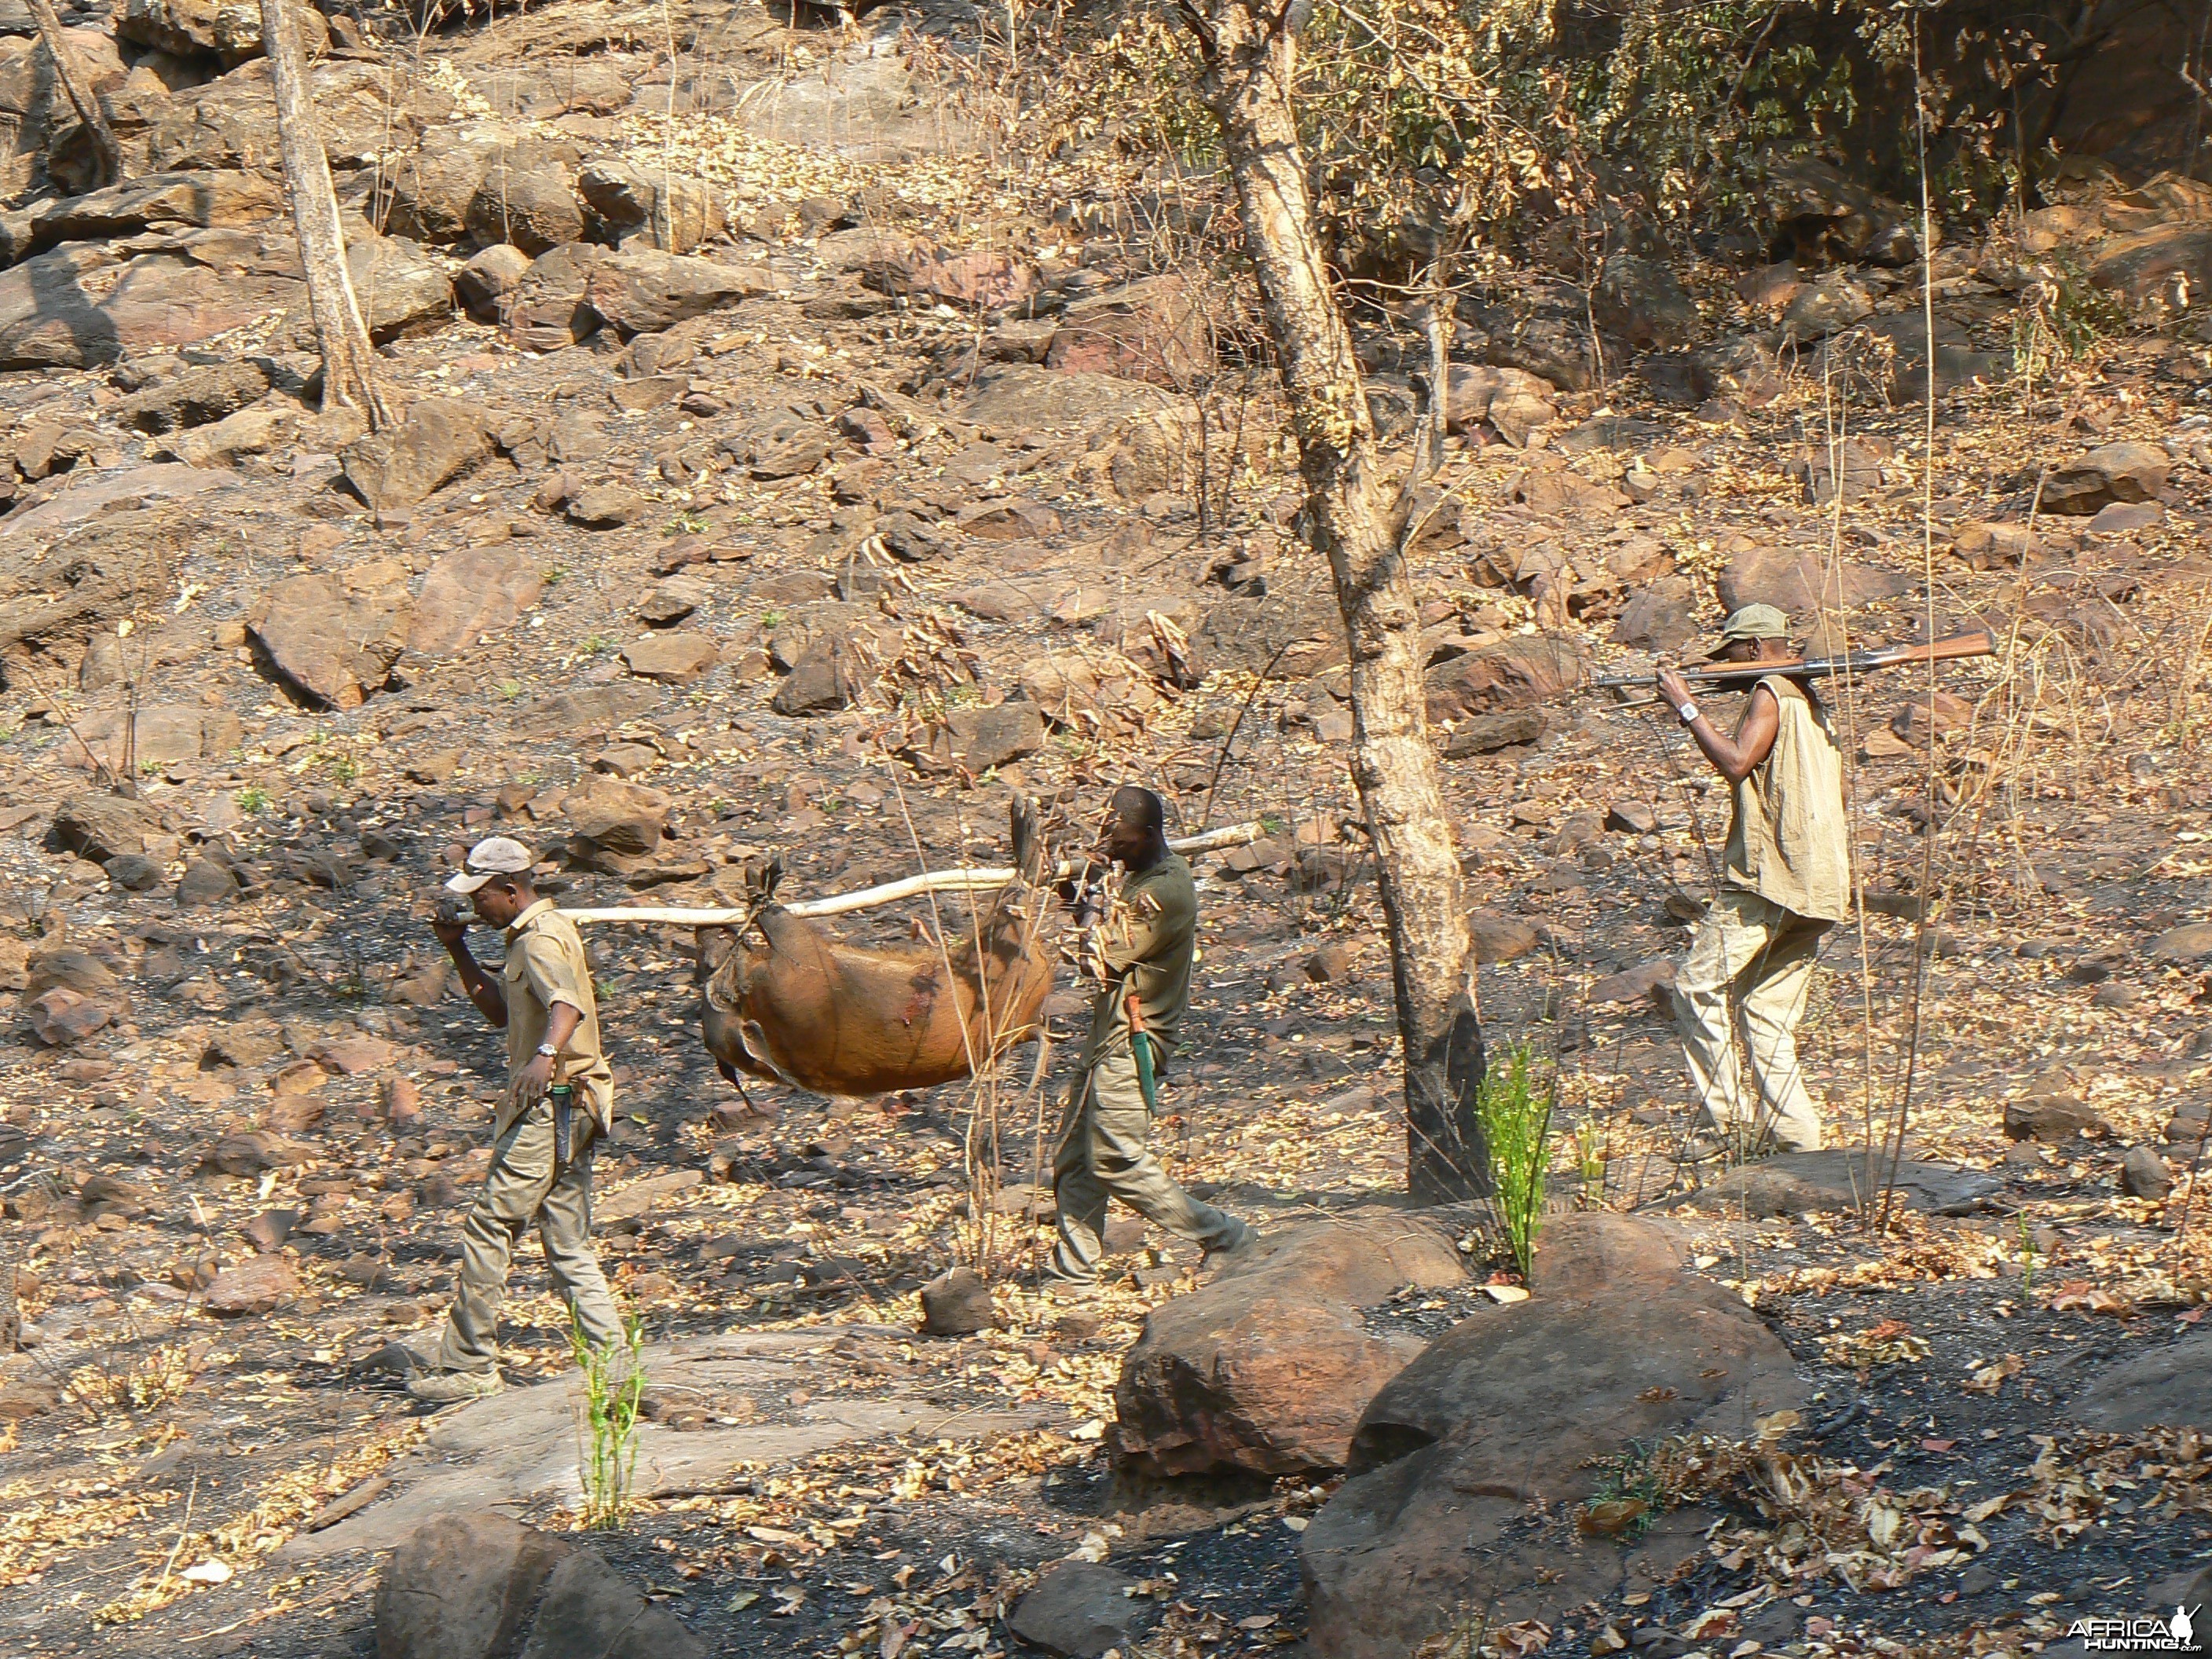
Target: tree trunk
[
  {"x": 1358, "y": 520},
  {"x": 80, "y": 98},
  {"x": 341, "y": 337}
]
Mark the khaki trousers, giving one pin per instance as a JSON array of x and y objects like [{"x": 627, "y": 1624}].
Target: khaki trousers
[
  {"x": 1103, "y": 1154},
  {"x": 521, "y": 1188},
  {"x": 1751, "y": 959}
]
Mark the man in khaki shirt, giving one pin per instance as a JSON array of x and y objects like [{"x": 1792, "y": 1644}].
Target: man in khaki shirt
[
  {"x": 1786, "y": 880},
  {"x": 543, "y": 999},
  {"x": 1141, "y": 952}
]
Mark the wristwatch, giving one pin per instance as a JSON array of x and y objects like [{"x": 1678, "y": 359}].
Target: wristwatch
[
  {"x": 1688, "y": 711},
  {"x": 549, "y": 1051}
]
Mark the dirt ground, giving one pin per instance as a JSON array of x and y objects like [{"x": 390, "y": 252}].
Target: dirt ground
[{"x": 161, "y": 1459}]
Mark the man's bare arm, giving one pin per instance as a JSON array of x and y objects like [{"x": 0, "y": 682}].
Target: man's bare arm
[{"x": 1734, "y": 758}]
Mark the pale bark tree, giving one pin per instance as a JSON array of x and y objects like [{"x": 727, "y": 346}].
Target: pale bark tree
[
  {"x": 341, "y": 337},
  {"x": 1358, "y": 520},
  {"x": 82, "y": 97}
]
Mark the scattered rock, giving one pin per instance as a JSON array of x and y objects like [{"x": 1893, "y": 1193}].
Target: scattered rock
[
  {"x": 475, "y": 1584},
  {"x": 100, "y": 826},
  {"x": 1511, "y": 674},
  {"x": 2051, "y": 1118},
  {"x": 133, "y": 873},
  {"x": 327, "y": 648},
  {"x": 957, "y": 1303},
  {"x": 470, "y": 593},
  {"x": 205, "y": 883},
  {"x": 2144, "y": 1175},
  {"x": 607, "y": 507},
  {"x": 1499, "y": 937},
  {"x": 258, "y": 1285},
  {"x": 1812, "y": 1183},
  {"x": 1486, "y": 734},
  {"x": 1631, "y": 818},
  {"x": 997, "y": 736},
  {"x": 615, "y": 816},
  {"x": 2191, "y": 942},
  {"x": 664, "y": 210},
  {"x": 194, "y": 397},
  {"x": 642, "y": 290},
  {"x": 1266, "y": 1369},
  {"x": 2161, "y": 1387},
  {"x": 267, "y": 1231},
  {"x": 483, "y": 284},
  {"x": 1515, "y": 402},
  {"x": 61, "y": 1017},
  {"x": 823, "y": 680},
  {"x": 674, "y": 657},
  {"x": 1660, "y": 617},
  {"x": 1080, "y": 1610},
  {"x": 2109, "y": 473},
  {"x": 1653, "y": 982},
  {"x": 1821, "y": 216},
  {"x": 439, "y": 439},
  {"x": 1827, "y": 307},
  {"x": 1798, "y": 581}
]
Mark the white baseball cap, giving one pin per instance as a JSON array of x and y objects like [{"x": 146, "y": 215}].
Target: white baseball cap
[{"x": 496, "y": 856}]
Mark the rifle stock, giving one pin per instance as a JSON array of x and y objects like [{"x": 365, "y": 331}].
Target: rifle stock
[{"x": 1978, "y": 643}]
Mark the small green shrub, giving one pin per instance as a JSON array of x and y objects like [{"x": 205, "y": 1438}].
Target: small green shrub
[
  {"x": 614, "y": 1385},
  {"x": 1515, "y": 1107}
]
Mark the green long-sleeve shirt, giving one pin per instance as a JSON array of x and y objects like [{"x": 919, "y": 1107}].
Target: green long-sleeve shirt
[{"x": 1147, "y": 944}]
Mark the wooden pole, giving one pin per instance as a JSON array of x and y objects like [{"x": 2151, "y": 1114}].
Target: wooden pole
[
  {"x": 80, "y": 98},
  {"x": 968, "y": 880},
  {"x": 341, "y": 337}
]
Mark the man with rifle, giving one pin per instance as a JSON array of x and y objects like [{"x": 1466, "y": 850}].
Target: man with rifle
[
  {"x": 1141, "y": 952},
  {"x": 1785, "y": 881}
]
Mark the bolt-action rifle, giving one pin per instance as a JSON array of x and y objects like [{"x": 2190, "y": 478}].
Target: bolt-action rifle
[{"x": 1721, "y": 675}]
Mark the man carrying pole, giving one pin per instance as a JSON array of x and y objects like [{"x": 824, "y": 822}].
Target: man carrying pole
[
  {"x": 560, "y": 1100},
  {"x": 1141, "y": 953},
  {"x": 1785, "y": 880}
]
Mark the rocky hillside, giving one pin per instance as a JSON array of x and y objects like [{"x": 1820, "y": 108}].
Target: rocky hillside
[{"x": 798, "y": 450}]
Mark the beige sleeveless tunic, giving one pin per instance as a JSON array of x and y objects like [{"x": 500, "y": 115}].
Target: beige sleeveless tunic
[{"x": 1790, "y": 839}]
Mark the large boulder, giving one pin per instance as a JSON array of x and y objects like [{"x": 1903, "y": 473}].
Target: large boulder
[
  {"x": 329, "y": 647},
  {"x": 205, "y": 392},
  {"x": 1468, "y": 1467},
  {"x": 229, "y": 30},
  {"x": 468, "y": 595},
  {"x": 615, "y": 816},
  {"x": 664, "y": 210},
  {"x": 640, "y": 290},
  {"x": 475, "y": 1584},
  {"x": 1513, "y": 673},
  {"x": 1819, "y": 215},
  {"x": 100, "y": 826},
  {"x": 198, "y": 200},
  {"x": 440, "y": 439},
  {"x": 1266, "y": 1369},
  {"x": 526, "y": 198},
  {"x": 1800, "y": 581},
  {"x": 1286, "y": 638},
  {"x": 1151, "y": 329},
  {"x": 2109, "y": 473},
  {"x": 544, "y": 309},
  {"x": 1641, "y": 301},
  {"x": 2172, "y": 263},
  {"x": 2161, "y": 1387}
]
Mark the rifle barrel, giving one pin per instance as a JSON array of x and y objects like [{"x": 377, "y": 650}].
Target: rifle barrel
[{"x": 1980, "y": 643}]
